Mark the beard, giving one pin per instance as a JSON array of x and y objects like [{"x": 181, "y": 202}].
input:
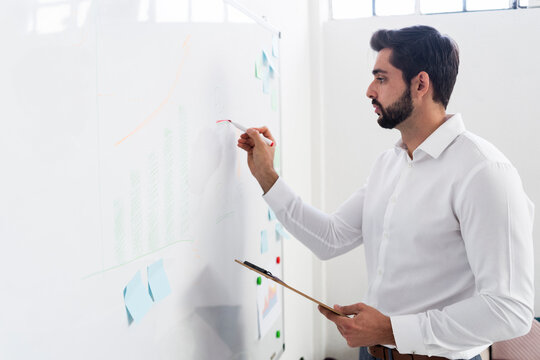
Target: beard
[{"x": 397, "y": 112}]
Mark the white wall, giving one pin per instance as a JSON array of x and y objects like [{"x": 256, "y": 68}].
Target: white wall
[{"x": 497, "y": 91}]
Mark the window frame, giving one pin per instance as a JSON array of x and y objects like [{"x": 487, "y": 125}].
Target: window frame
[{"x": 512, "y": 5}]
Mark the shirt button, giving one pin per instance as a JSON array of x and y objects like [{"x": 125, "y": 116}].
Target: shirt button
[
  {"x": 385, "y": 234},
  {"x": 393, "y": 199},
  {"x": 380, "y": 272},
  {"x": 410, "y": 165}
]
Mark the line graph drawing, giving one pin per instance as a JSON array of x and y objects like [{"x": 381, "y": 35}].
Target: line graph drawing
[{"x": 149, "y": 118}]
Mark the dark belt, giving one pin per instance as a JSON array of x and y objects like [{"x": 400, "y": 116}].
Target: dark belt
[{"x": 380, "y": 352}]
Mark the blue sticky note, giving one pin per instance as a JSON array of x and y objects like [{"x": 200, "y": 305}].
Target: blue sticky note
[
  {"x": 271, "y": 71},
  {"x": 271, "y": 215},
  {"x": 264, "y": 58},
  {"x": 281, "y": 231},
  {"x": 266, "y": 84},
  {"x": 275, "y": 46},
  {"x": 264, "y": 242},
  {"x": 158, "y": 283},
  {"x": 136, "y": 298}
]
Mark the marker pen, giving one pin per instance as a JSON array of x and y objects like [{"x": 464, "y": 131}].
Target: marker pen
[{"x": 244, "y": 129}]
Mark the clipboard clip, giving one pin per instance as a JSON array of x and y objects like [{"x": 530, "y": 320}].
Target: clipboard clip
[
  {"x": 264, "y": 271},
  {"x": 268, "y": 274}
]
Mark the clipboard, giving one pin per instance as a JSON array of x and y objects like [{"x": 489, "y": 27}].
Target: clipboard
[{"x": 267, "y": 274}]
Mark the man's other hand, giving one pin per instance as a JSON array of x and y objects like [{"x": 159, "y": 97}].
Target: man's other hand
[{"x": 367, "y": 327}]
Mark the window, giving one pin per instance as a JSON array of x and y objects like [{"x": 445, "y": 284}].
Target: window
[
  {"x": 351, "y": 9},
  {"x": 393, "y": 7},
  {"x": 440, "y": 6},
  {"x": 487, "y": 4}
]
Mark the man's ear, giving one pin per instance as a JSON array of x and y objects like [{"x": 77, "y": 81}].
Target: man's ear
[{"x": 421, "y": 83}]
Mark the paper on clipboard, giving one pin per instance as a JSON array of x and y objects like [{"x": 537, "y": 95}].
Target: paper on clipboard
[{"x": 269, "y": 276}]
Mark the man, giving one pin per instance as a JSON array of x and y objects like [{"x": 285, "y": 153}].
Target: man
[{"x": 445, "y": 222}]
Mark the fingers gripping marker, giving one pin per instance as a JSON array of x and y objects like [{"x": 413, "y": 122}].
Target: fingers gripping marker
[{"x": 244, "y": 129}]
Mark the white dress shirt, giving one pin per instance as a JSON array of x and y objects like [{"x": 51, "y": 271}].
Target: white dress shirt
[{"x": 448, "y": 242}]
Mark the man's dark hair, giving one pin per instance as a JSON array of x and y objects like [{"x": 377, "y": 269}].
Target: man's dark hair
[{"x": 422, "y": 48}]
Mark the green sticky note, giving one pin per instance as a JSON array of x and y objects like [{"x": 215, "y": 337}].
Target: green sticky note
[
  {"x": 274, "y": 100},
  {"x": 258, "y": 70}
]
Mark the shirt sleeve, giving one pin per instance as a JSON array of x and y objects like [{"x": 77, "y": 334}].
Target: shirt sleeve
[
  {"x": 496, "y": 219},
  {"x": 326, "y": 235}
]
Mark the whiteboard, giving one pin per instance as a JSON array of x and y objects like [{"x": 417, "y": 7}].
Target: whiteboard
[{"x": 112, "y": 161}]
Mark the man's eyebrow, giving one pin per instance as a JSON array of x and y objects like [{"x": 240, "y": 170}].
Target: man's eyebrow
[{"x": 379, "y": 71}]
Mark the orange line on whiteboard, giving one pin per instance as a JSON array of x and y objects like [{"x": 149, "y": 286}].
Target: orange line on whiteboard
[
  {"x": 154, "y": 113},
  {"x": 186, "y": 41}
]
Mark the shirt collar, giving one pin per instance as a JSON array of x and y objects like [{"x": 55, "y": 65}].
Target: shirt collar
[{"x": 439, "y": 140}]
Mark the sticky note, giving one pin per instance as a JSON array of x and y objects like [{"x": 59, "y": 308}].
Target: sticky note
[
  {"x": 264, "y": 242},
  {"x": 258, "y": 70},
  {"x": 265, "y": 58},
  {"x": 275, "y": 45},
  {"x": 158, "y": 283},
  {"x": 274, "y": 100},
  {"x": 266, "y": 84},
  {"x": 281, "y": 231},
  {"x": 271, "y": 215},
  {"x": 136, "y": 298},
  {"x": 272, "y": 71},
  {"x": 277, "y": 159}
]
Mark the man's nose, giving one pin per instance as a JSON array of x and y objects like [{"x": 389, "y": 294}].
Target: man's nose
[{"x": 370, "y": 93}]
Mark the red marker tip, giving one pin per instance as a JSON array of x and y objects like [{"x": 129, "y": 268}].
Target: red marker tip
[{"x": 222, "y": 121}]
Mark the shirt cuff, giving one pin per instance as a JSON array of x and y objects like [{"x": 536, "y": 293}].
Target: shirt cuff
[
  {"x": 278, "y": 195},
  {"x": 408, "y": 335}
]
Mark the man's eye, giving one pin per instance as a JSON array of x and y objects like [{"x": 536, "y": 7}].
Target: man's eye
[{"x": 380, "y": 79}]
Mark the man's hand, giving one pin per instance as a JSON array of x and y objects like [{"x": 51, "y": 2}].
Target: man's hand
[
  {"x": 260, "y": 156},
  {"x": 368, "y": 326}
]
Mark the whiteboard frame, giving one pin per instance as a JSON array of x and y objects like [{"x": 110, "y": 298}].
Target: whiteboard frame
[{"x": 258, "y": 19}]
